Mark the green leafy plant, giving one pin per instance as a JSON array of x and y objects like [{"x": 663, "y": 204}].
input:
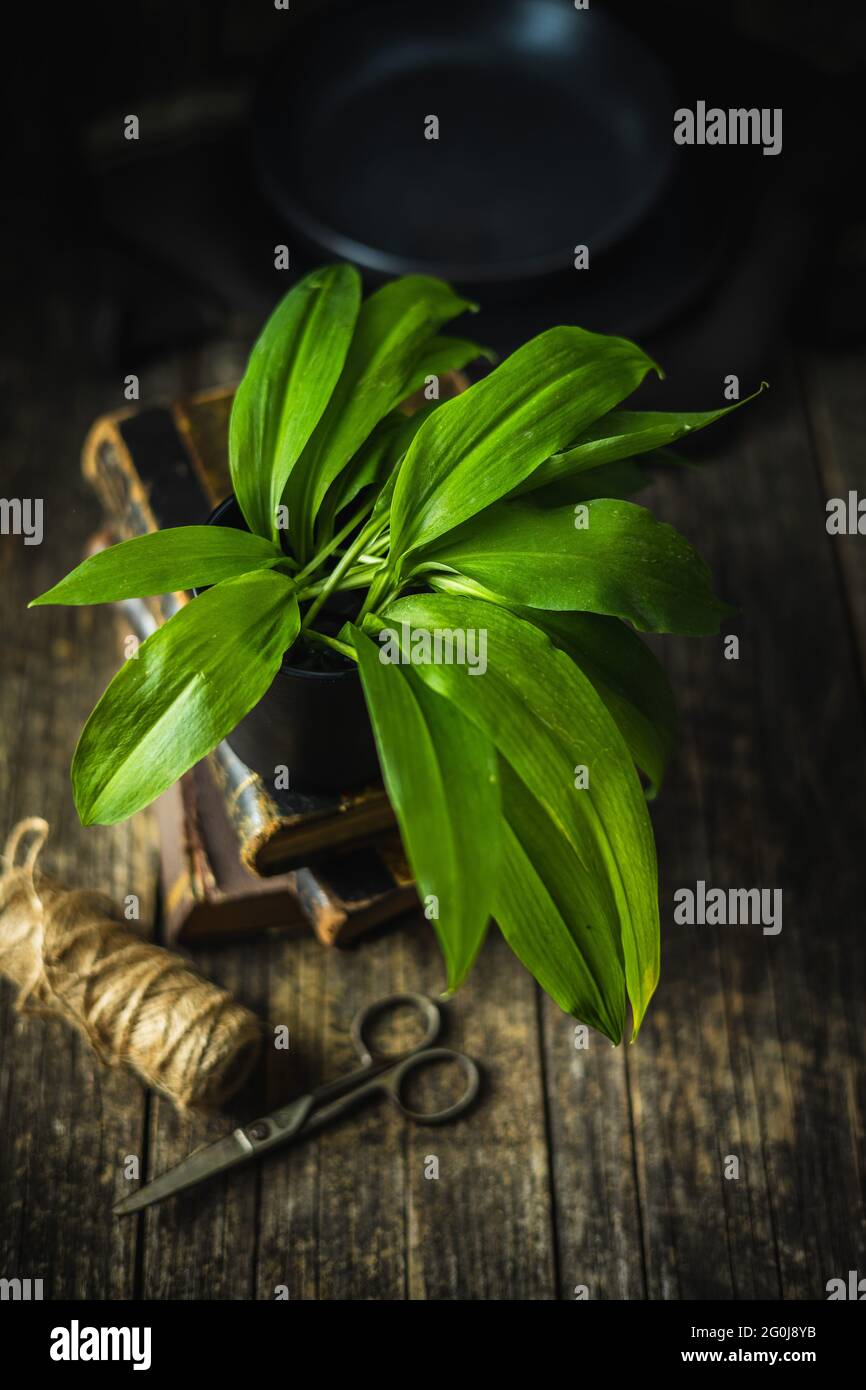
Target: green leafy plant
[{"x": 500, "y": 512}]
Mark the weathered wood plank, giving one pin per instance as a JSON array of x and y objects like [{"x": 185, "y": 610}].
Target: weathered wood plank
[
  {"x": 484, "y": 1229},
  {"x": 754, "y": 1047},
  {"x": 361, "y": 1173},
  {"x": 202, "y": 1243},
  {"x": 597, "y": 1213},
  {"x": 67, "y": 1122},
  {"x": 350, "y": 1214},
  {"x": 834, "y": 391},
  {"x": 288, "y": 1256}
]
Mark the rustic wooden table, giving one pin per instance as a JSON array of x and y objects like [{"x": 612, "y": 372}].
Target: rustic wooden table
[{"x": 599, "y": 1167}]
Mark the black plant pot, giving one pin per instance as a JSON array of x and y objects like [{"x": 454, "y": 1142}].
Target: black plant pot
[{"x": 313, "y": 720}]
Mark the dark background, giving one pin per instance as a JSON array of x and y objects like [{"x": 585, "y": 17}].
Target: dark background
[{"x": 181, "y": 233}]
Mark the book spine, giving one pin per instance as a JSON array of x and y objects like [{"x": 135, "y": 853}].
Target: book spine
[
  {"x": 327, "y": 916},
  {"x": 255, "y": 817}
]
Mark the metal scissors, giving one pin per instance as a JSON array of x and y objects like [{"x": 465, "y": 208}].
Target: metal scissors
[{"x": 379, "y": 1072}]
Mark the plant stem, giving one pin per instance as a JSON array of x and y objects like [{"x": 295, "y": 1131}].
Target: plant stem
[
  {"x": 355, "y": 579},
  {"x": 346, "y": 559},
  {"x": 457, "y": 584},
  {"x": 334, "y": 542},
  {"x": 332, "y": 642},
  {"x": 374, "y": 594}
]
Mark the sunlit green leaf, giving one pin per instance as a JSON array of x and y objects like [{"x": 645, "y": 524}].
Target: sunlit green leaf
[
  {"x": 379, "y": 369},
  {"x": 622, "y": 479},
  {"x": 182, "y": 557},
  {"x": 626, "y": 675},
  {"x": 442, "y": 778},
  {"x": 607, "y": 557},
  {"x": 374, "y": 461},
  {"x": 622, "y": 434},
  {"x": 546, "y": 720},
  {"x": 443, "y": 355},
  {"x": 481, "y": 445},
  {"x": 188, "y": 686},
  {"x": 292, "y": 371},
  {"x": 545, "y": 908}
]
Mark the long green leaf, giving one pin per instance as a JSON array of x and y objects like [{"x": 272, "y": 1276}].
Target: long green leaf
[
  {"x": 481, "y": 445},
  {"x": 627, "y": 676},
  {"x": 623, "y": 434},
  {"x": 288, "y": 382},
  {"x": 192, "y": 681},
  {"x": 622, "y": 562},
  {"x": 546, "y": 719},
  {"x": 442, "y": 355},
  {"x": 383, "y": 449},
  {"x": 373, "y": 463},
  {"x": 182, "y": 557},
  {"x": 625, "y": 673},
  {"x": 392, "y": 326},
  {"x": 545, "y": 908},
  {"x": 442, "y": 778}
]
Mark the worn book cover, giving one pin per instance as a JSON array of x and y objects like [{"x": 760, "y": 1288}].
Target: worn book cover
[{"x": 209, "y": 895}]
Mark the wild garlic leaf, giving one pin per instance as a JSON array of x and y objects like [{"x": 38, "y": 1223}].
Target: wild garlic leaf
[
  {"x": 622, "y": 434},
  {"x": 442, "y": 355},
  {"x": 607, "y": 556},
  {"x": 628, "y": 677},
  {"x": 382, "y": 450},
  {"x": 481, "y": 445},
  {"x": 291, "y": 374},
  {"x": 192, "y": 681},
  {"x": 393, "y": 325},
  {"x": 181, "y": 557},
  {"x": 545, "y": 908},
  {"x": 546, "y": 720},
  {"x": 441, "y": 775},
  {"x": 373, "y": 463},
  {"x": 625, "y": 673}
]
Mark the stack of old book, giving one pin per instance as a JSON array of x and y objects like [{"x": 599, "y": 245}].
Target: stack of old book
[{"x": 237, "y": 858}]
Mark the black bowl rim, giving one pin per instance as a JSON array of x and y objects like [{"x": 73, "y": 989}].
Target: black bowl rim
[{"x": 543, "y": 267}]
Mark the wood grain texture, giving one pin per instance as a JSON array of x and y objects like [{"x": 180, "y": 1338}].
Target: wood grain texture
[
  {"x": 754, "y": 1042},
  {"x": 754, "y": 1045},
  {"x": 352, "y": 1214},
  {"x": 835, "y": 402},
  {"x": 67, "y": 1123},
  {"x": 596, "y": 1207},
  {"x": 580, "y": 1166},
  {"x": 202, "y": 1244},
  {"x": 484, "y": 1228}
]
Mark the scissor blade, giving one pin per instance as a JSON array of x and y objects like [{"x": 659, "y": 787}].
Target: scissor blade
[{"x": 205, "y": 1163}]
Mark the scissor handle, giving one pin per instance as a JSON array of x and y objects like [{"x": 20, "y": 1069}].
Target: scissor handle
[
  {"x": 395, "y": 1081},
  {"x": 430, "y": 1017}
]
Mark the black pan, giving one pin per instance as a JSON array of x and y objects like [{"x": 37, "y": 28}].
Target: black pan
[{"x": 555, "y": 129}]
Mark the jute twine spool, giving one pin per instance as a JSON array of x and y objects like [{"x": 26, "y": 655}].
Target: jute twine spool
[{"x": 134, "y": 1002}]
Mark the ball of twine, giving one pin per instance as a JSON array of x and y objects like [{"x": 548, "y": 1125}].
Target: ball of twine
[{"x": 134, "y": 1002}]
